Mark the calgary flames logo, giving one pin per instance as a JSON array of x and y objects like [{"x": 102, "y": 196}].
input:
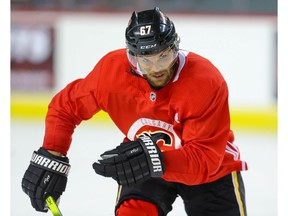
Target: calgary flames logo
[{"x": 161, "y": 132}]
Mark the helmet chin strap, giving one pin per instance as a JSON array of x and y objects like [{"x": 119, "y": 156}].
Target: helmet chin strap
[
  {"x": 139, "y": 70},
  {"x": 135, "y": 73}
]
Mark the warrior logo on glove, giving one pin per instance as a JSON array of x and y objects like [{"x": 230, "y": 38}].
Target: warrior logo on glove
[
  {"x": 132, "y": 162},
  {"x": 153, "y": 153}
]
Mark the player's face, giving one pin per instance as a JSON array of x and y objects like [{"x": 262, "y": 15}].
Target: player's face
[{"x": 157, "y": 68}]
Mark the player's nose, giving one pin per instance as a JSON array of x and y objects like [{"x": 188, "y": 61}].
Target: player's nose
[{"x": 156, "y": 67}]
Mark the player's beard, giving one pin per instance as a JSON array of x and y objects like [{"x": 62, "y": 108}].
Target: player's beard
[{"x": 159, "y": 79}]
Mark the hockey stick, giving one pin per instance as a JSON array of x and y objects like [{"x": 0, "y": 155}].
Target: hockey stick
[{"x": 53, "y": 206}]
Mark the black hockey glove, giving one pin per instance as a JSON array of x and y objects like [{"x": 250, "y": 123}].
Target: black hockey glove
[
  {"x": 46, "y": 175},
  {"x": 132, "y": 162}
]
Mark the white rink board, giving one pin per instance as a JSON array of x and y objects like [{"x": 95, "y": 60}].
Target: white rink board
[
  {"x": 243, "y": 48},
  {"x": 91, "y": 194}
]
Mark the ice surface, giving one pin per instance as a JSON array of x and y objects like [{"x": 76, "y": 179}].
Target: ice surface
[{"x": 91, "y": 194}]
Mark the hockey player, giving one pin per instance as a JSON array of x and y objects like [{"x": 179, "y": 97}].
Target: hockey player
[{"x": 171, "y": 106}]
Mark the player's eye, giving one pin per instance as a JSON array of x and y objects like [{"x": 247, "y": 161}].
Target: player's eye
[
  {"x": 163, "y": 56},
  {"x": 145, "y": 61}
]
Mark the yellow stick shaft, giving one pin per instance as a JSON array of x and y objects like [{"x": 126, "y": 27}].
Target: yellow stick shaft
[{"x": 53, "y": 206}]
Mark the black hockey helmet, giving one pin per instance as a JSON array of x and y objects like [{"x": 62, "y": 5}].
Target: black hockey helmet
[{"x": 150, "y": 32}]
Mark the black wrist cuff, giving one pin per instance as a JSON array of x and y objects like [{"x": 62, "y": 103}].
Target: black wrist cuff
[{"x": 51, "y": 164}]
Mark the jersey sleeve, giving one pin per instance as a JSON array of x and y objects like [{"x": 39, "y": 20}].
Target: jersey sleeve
[
  {"x": 78, "y": 101},
  {"x": 205, "y": 132}
]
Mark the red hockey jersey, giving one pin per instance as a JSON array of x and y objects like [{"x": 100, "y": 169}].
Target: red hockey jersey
[{"x": 189, "y": 116}]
